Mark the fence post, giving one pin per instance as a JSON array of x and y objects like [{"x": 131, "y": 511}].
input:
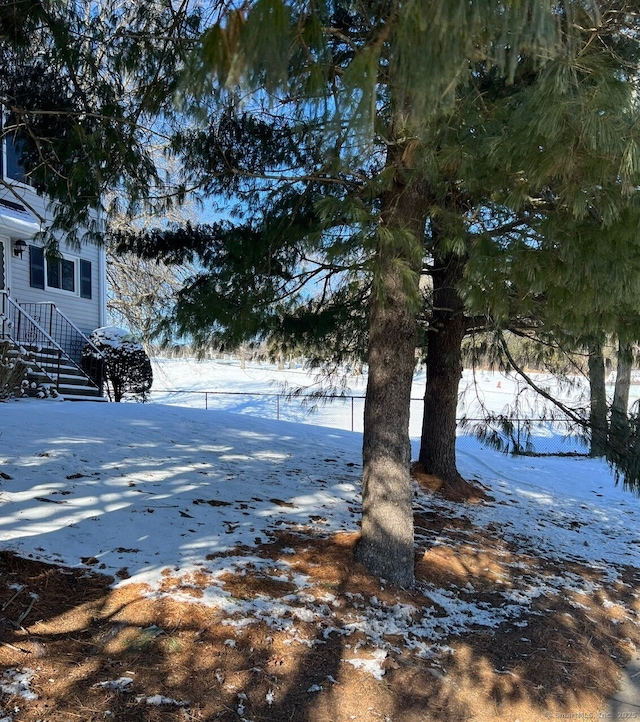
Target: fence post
[
  {"x": 278, "y": 407},
  {"x": 206, "y": 400},
  {"x": 352, "y": 413}
]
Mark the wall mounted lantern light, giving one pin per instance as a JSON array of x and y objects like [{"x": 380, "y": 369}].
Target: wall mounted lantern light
[{"x": 19, "y": 247}]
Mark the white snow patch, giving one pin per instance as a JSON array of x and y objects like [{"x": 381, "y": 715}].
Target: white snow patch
[
  {"x": 304, "y": 615},
  {"x": 15, "y": 683},
  {"x": 373, "y": 665},
  {"x": 158, "y": 699},
  {"x": 119, "y": 684},
  {"x": 115, "y": 337}
]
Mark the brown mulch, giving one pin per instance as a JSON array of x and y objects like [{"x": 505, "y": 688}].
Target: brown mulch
[
  {"x": 74, "y": 632},
  {"x": 458, "y": 489}
]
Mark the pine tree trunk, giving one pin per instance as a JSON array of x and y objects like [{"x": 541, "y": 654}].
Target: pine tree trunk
[
  {"x": 444, "y": 370},
  {"x": 619, "y": 425},
  {"x": 386, "y": 545},
  {"x": 598, "y": 397}
]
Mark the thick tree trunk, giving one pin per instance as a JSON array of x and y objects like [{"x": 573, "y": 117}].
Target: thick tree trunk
[
  {"x": 386, "y": 545},
  {"x": 444, "y": 370},
  {"x": 598, "y": 398},
  {"x": 619, "y": 425}
]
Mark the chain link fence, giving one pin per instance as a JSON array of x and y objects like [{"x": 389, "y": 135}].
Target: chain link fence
[{"x": 528, "y": 436}]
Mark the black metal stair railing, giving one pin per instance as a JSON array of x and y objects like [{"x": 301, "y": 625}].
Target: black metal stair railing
[
  {"x": 18, "y": 327},
  {"x": 77, "y": 347}
]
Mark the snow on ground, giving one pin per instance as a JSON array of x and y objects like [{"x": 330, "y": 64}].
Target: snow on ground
[
  {"x": 224, "y": 386},
  {"x": 135, "y": 489},
  {"x": 151, "y": 486},
  {"x": 230, "y": 388}
]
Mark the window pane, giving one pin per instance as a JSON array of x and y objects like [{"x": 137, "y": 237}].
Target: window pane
[
  {"x": 53, "y": 273},
  {"x": 36, "y": 267},
  {"x": 61, "y": 273},
  {"x": 13, "y": 149},
  {"x": 85, "y": 279},
  {"x": 68, "y": 275}
]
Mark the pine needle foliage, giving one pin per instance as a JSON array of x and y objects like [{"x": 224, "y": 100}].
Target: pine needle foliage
[
  {"x": 485, "y": 144},
  {"x": 87, "y": 91},
  {"x": 624, "y": 455}
]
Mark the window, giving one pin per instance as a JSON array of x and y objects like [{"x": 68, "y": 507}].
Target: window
[
  {"x": 85, "y": 278},
  {"x": 10, "y": 157},
  {"x": 36, "y": 267},
  {"x": 63, "y": 273}
]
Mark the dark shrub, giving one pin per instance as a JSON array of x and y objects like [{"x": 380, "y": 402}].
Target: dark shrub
[{"x": 127, "y": 369}]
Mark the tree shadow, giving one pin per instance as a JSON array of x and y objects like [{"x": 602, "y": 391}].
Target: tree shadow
[
  {"x": 293, "y": 612},
  {"x": 275, "y": 657}
]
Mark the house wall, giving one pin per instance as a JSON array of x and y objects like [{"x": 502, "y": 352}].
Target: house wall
[{"x": 87, "y": 314}]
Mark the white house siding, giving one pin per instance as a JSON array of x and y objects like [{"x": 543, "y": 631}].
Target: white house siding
[{"x": 86, "y": 314}]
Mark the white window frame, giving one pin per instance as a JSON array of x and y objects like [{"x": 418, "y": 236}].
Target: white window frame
[{"x": 76, "y": 276}]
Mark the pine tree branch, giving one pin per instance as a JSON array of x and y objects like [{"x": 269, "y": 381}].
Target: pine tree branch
[
  {"x": 545, "y": 394},
  {"x": 20, "y": 198}
]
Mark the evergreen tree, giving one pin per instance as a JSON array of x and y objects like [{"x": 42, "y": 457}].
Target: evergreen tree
[
  {"x": 339, "y": 177},
  {"x": 619, "y": 420},
  {"x": 326, "y": 119},
  {"x": 541, "y": 204}
]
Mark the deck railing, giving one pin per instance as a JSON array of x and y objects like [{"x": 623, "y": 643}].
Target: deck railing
[
  {"x": 76, "y": 346},
  {"x": 17, "y": 326}
]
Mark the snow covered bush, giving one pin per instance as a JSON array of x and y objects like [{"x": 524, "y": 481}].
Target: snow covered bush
[
  {"x": 13, "y": 372},
  {"x": 15, "y": 364},
  {"x": 127, "y": 369}
]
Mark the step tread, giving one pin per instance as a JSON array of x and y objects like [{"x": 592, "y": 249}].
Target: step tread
[
  {"x": 65, "y": 381},
  {"x": 71, "y": 397}
]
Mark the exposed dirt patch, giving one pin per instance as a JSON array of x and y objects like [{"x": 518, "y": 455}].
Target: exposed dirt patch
[
  {"x": 456, "y": 490},
  {"x": 290, "y": 642}
]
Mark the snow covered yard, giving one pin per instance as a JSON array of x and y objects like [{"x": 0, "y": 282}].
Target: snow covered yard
[{"x": 207, "y": 574}]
